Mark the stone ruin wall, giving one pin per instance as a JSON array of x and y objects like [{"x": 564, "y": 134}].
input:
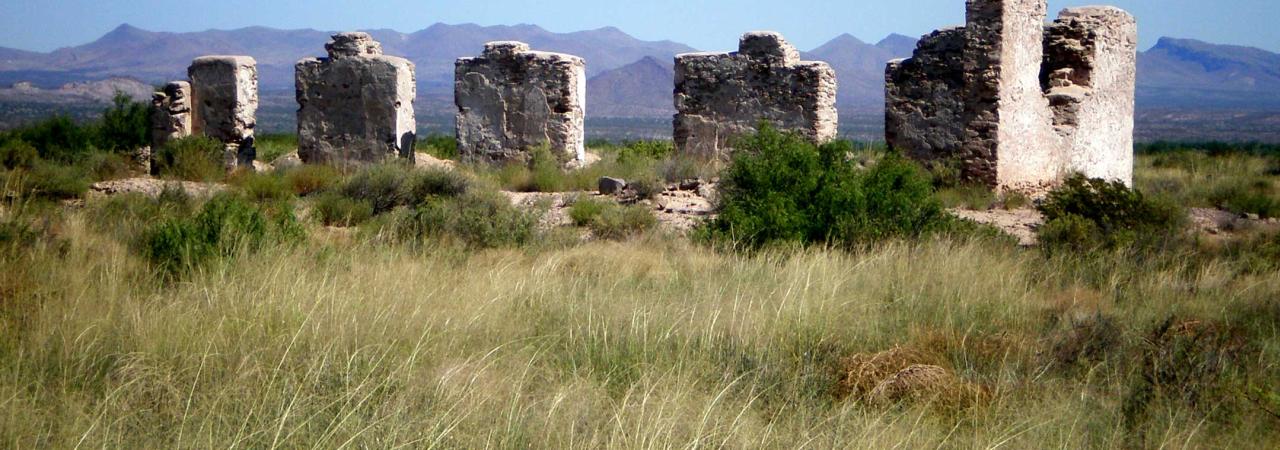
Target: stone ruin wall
[
  {"x": 220, "y": 101},
  {"x": 355, "y": 106},
  {"x": 720, "y": 96},
  {"x": 1018, "y": 103},
  {"x": 511, "y": 100}
]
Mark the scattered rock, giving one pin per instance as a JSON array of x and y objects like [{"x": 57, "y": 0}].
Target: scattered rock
[
  {"x": 612, "y": 186},
  {"x": 287, "y": 161},
  {"x": 152, "y": 187},
  {"x": 1019, "y": 223}
]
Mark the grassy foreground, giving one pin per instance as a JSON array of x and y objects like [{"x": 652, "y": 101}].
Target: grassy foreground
[{"x": 651, "y": 343}]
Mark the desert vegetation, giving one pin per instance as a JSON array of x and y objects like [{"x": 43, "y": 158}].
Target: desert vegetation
[{"x": 832, "y": 303}]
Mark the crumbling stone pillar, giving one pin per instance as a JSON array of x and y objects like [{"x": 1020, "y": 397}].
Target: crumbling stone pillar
[
  {"x": 224, "y": 93},
  {"x": 511, "y": 100},
  {"x": 170, "y": 114},
  {"x": 1089, "y": 73},
  {"x": 1018, "y": 105},
  {"x": 356, "y": 106},
  {"x": 720, "y": 96}
]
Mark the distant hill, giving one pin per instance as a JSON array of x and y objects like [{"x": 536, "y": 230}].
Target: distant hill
[
  {"x": 641, "y": 89},
  {"x": 628, "y": 77},
  {"x": 1186, "y": 72},
  {"x": 157, "y": 57}
]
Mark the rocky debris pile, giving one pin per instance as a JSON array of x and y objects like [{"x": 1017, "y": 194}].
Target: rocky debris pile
[
  {"x": 152, "y": 187},
  {"x": 356, "y": 106},
  {"x": 512, "y": 100},
  {"x": 720, "y": 96},
  {"x": 1017, "y": 104}
]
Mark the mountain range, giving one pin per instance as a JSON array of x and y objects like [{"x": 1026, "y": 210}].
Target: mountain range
[{"x": 629, "y": 77}]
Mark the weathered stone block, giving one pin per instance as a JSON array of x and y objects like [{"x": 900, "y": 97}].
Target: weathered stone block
[
  {"x": 720, "y": 96},
  {"x": 511, "y": 100},
  {"x": 224, "y": 93},
  {"x": 356, "y": 106},
  {"x": 1018, "y": 105}
]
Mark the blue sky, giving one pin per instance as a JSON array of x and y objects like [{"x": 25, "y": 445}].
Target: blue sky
[{"x": 44, "y": 25}]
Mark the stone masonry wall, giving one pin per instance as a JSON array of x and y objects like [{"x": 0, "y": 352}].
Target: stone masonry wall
[
  {"x": 511, "y": 100},
  {"x": 720, "y": 96},
  {"x": 356, "y": 106},
  {"x": 224, "y": 100},
  {"x": 1016, "y": 103}
]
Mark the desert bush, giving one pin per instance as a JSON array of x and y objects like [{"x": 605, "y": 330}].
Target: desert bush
[
  {"x": 129, "y": 214},
  {"x": 1257, "y": 196},
  {"x": 57, "y": 182},
  {"x": 647, "y": 187},
  {"x": 108, "y": 166},
  {"x": 480, "y": 219},
  {"x": 1085, "y": 214},
  {"x": 194, "y": 158},
  {"x": 271, "y": 147},
  {"x": 333, "y": 209},
  {"x": 967, "y": 196},
  {"x": 309, "y": 179},
  {"x": 441, "y": 146},
  {"x": 646, "y": 150},
  {"x": 125, "y": 126},
  {"x": 58, "y": 139},
  {"x": 264, "y": 187},
  {"x": 609, "y": 220},
  {"x": 18, "y": 154},
  {"x": 780, "y": 187},
  {"x": 383, "y": 186},
  {"x": 433, "y": 183},
  {"x": 225, "y": 226}
]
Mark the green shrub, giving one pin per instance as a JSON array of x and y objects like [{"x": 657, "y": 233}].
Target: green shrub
[
  {"x": 335, "y": 210},
  {"x": 583, "y": 211},
  {"x": 779, "y": 187},
  {"x": 435, "y": 182},
  {"x": 18, "y": 154},
  {"x": 309, "y": 179},
  {"x": 108, "y": 166},
  {"x": 225, "y": 226},
  {"x": 440, "y": 146},
  {"x": 647, "y": 187},
  {"x": 621, "y": 222},
  {"x": 271, "y": 147},
  {"x": 383, "y": 186},
  {"x": 1256, "y": 197},
  {"x": 194, "y": 158},
  {"x": 479, "y": 219},
  {"x": 264, "y": 187},
  {"x": 58, "y": 139},
  {"x": 967, "y": 196},
  {"x": 646, "y": 150},
  {"x": 57, "y": 182},
  {"x": 125, "y": 127},
  {"x": 129, "y": 214},
  {"x": 1086, "y": 214}
]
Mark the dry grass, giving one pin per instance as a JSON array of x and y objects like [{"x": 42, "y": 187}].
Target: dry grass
[{"x": 642, "y": 344}]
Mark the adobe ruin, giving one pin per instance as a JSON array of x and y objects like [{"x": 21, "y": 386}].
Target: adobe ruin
[
  {"x": 720, "y": 96},
  {"x": 356, "y": 105},
  {"x": 512, "y": 100},
  {"x": 1017, "y": 103},
  {"x": 219, "y": 101}
]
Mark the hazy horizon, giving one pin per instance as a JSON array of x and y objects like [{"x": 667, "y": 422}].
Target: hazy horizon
[{"x": 45, "y": 26}]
